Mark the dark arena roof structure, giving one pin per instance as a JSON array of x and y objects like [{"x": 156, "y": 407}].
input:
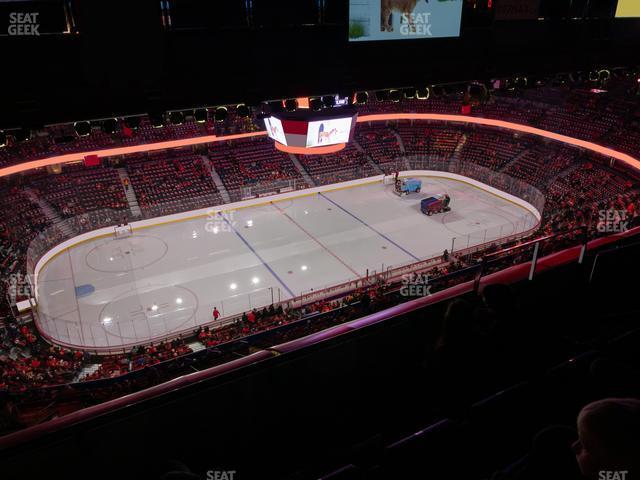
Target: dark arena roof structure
[{"x": 320, "y": 239}]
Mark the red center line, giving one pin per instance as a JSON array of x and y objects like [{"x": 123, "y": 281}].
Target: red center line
[{"x": 316, "y": 240}]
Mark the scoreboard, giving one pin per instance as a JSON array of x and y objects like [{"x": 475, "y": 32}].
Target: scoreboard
[{"x": 310, "y": 132}]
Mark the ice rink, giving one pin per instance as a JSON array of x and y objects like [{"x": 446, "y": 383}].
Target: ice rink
[{"x": 165, "y": 279}]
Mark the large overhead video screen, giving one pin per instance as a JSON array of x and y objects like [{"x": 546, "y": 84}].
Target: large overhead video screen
[
  {"x": 628, "y": 9},
  {"x": 275, "y": 130},
  {"x": 371, "y": 20},
  {"x": 329, "y": 132}
]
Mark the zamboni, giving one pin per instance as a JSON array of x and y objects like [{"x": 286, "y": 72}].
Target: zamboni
[
  {"x": 406, "y": 186},
  {"x": 435, "y": 204}
]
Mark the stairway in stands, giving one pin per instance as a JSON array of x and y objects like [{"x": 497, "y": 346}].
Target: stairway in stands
[
  {"x": 372, "y": 164},
  {"x": 129, "y": 193},
  {"x": 403, "y": 150},
  {"x": 455, "y": 157},
  {"x": 564, "y": 173},
  {"x": 86, "y": 371},
  {"x": 302, "y": 170},
  {"x": 515, "y": 159},
  {"x": 49, "y": 212},
  {"x": 196, "y": 346},
  {"x": 217, "y": 181}
]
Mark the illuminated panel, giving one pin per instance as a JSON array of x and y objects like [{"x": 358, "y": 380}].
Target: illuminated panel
[
  {"x": 295, "y": 131},
  {"x": 110, "y": 152},
  {"x": 403, "y": 20},
  {"x": 628, "y": 9},
  {"x": 75, "y": 157},
  {"x": 275, "y": 130},
  {"x": 329, "y": 132}
]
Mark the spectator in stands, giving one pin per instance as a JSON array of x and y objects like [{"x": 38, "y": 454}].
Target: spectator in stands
[
  {"x": 513, "y": 343},
  {"x": 365, "y": 302},
  {"x": 457, "y": 361},
  {"x": 614, "y": 376},
  {"x": 609, "y": 438},
  {"x": 550, "y": 458}
]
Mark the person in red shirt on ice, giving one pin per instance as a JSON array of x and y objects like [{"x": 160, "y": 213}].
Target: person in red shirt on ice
[{"x": 216, "y": 313}]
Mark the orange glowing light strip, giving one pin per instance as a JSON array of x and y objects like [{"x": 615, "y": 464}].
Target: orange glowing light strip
[
  {"x": 311, "y": 150},
  {"x": 111, "y": 152},
  {"x": 628, "y": 159},
  {"x": 74, "y": 157}
]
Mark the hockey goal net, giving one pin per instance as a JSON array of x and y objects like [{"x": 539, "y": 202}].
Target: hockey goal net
[
  {"x": 123, "y": 231},
  {"x": 389, "y": 179}
]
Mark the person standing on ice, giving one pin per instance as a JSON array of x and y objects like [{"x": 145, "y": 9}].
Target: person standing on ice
[{"x": 216, "y": 313}]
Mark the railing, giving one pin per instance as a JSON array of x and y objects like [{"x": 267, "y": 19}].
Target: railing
[
  {"x": 531, "y": 251},
  {"x": 153, "y": 210},
  {"x": 499, "y": 180},
  {"x": 268, "y": 188},
  {"x": 70, "y": 228}
]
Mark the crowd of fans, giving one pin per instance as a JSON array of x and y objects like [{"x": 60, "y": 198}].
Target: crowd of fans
[
  {"x": 170, "y": 182},
  {"x": 347, "y": 164},
  {"x": 246, "y": 164},
  {"x": 27, "y": 362}
]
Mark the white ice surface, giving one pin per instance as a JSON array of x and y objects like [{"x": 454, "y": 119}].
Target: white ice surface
[{"x": 168, "y": 278}]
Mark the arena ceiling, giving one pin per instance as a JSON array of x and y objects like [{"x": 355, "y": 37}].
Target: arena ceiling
[{"x": 118, "y": 58}]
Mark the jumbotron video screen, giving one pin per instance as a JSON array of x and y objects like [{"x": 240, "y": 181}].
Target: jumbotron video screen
[{"x": 371, "y": 20}]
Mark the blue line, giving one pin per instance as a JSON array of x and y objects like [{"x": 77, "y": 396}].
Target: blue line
[
  {"x": 259, "y": 257},
  {"x": 367, "y": 225}
]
